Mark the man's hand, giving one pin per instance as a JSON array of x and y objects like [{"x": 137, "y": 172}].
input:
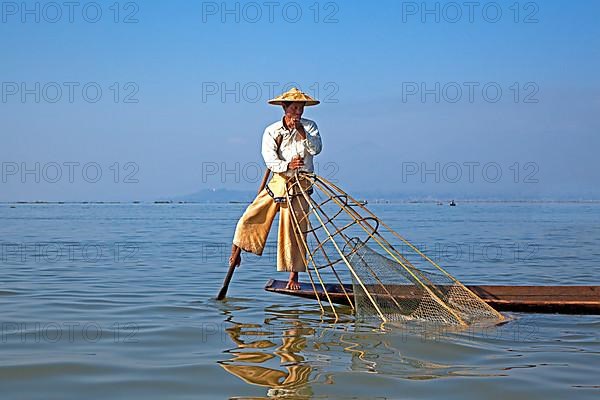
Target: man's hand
[
  {"x": 297, "y": 162},
  {"x": 300, "y": 128}
]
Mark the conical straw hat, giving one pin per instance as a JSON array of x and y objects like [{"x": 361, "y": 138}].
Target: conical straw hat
[{"x": 294, "y": 95}]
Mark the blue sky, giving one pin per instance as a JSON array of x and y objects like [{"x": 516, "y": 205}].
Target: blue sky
[{"x": 158, "y": 131}]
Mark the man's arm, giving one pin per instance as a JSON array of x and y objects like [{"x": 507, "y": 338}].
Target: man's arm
[{"x": 269, "y": 153}]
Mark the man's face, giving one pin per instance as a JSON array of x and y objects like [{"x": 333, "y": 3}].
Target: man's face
[{"x": 294, "y": 110}]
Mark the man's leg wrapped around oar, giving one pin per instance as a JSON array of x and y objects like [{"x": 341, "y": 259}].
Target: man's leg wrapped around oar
[{"x": 253, "y": 227}]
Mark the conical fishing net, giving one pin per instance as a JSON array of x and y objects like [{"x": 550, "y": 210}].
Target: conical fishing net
[
  {"x": 391, "y": 279},
  {"x": 404, "y": 292}
]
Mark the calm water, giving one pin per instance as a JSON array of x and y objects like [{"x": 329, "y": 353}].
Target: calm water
[{"x": 116, "y": 301}]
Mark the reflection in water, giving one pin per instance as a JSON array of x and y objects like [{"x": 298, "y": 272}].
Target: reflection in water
[
  {"x": 289, "y": 381},
  {"x": 292, "y": 353}
]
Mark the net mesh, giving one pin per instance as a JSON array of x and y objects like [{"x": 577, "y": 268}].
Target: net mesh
[
  {"x": 391, "y": 279},
  {"x": 402, "y": 292}
]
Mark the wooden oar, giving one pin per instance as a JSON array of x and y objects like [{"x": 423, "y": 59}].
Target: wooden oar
[{"x": 236, "y": 253}]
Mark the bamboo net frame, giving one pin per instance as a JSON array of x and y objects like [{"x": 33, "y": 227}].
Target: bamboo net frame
[{"x": 331, "y": 223}]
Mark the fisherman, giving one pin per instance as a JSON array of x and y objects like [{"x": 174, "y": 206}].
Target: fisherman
[{"x": 288, "y": 146}]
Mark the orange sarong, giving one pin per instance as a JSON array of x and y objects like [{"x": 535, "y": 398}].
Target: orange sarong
[{"x": 253, "y": 227}]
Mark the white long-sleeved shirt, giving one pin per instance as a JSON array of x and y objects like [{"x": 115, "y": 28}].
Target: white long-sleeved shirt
[{"x": 291, "y": 145}]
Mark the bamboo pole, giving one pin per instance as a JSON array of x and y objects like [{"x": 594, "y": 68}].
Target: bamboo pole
[{"x": 223, "y": 292}]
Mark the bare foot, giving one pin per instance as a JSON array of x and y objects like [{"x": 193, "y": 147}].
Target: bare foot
[
  {"x": 235, "y": 259},
  {"x": 293, "y": 283}
]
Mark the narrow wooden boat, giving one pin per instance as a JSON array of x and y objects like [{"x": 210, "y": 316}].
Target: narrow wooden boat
[{"x": 531, "y": 299}]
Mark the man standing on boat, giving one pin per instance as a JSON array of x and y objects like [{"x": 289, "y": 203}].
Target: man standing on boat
[{"x": 288, "y": 146}]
